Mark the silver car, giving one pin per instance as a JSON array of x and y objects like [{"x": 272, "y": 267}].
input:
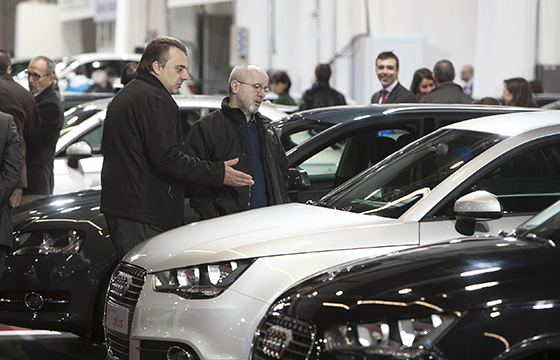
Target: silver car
[{"x": 199, "y": 291}]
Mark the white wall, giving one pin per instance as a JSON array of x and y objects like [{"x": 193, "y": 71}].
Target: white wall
[{"x": 38, "y": 32}]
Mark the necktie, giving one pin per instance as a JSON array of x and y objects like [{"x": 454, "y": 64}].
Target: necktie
[{"x": 383, "y": 96}]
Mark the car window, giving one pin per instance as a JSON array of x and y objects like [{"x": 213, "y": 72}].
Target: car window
[
  {"x": 526, "y": 181},
  {"x": 408, "y": 176},
  {"x": 339, "y": 161},
  {"x": 294, "y": 130},
  {"x": 93, "y": 138}
]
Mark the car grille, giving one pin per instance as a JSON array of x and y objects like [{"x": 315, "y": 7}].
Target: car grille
[
  {"x": 125, "y": 287},
  {"x": 282, "y": 337}
]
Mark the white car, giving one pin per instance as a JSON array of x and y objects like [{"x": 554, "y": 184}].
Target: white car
[
  {"x": 65, "y": 67},
  {"x": 78, "y": 159},
  {"x": 199, "y": 291}
]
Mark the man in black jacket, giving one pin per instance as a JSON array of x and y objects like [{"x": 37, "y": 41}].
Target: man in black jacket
[
  {"x": 18, "y": 102},
  {"x": 144, "y": 168},
  {"x": 40, "y": 148},
  {"x": 321, "y": 93},
  {"x": 239, "y": 130},
  {"x": 10, "y": 172}
]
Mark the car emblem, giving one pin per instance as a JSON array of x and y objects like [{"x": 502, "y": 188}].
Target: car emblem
[
  {"x": 276, "y": 341},
  {"x": 120, "y": 284}
]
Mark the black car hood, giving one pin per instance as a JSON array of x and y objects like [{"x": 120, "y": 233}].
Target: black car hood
[
  {"x": 466, "y": 274},
  {"x": 82, "y": 206}
]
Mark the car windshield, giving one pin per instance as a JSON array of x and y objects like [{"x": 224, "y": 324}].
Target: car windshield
[
  {"x": 545, "y": 225},
  {"x": 392, "y": 186},
  {"x": 295, "y": 129}
]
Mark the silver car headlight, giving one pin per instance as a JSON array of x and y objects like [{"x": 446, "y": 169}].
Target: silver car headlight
[
  {"x": 402, "y": 339},
  {"x": 48, "y": 242},
  {"x": 200, "y": 281}
]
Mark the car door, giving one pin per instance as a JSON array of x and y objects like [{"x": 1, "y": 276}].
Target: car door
[{"x": 526, "y": 180}]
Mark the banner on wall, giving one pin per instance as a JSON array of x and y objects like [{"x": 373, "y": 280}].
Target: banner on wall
[
  {"x": 71, "y": 10},
  {"x": 105, "y": 11}
]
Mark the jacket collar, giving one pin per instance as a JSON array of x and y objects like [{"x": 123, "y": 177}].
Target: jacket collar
[{"x": 151, "y": 79}]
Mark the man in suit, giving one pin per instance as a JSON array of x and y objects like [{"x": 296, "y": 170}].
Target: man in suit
[
  {"x": 446, "y": 91},
  {"x": 10, "y": 172},
  {"x": 387, "y": 69},
  {"x": 42, "y": 145},
  {"x": 18, "y": 102}
]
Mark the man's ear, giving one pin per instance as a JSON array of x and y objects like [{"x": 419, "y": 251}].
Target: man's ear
[
  {"x": 156, "y": 67},
  {"x": 9, "y": 69},
  {"x": 234, "y": 85}
]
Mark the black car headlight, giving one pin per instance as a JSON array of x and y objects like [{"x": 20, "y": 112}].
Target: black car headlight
[
  {"x": 48, "y": 242},
  {"x": 200, "y": 281},
  {"x": 402, "y": 339}
]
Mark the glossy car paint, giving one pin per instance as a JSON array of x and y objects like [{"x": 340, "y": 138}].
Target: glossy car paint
[
  {"x": 290, "y": 242},
  {"x": 71, "y": 285},
  {"x": 503, "y": 291}
]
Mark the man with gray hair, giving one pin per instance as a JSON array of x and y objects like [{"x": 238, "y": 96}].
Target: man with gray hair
[
  {"x": 446, "y": 91},
  {"x": 239, "y": 130},
  {"x": 41, "y": 146}
]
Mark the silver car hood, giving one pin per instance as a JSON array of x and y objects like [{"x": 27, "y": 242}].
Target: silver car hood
[{"x": 277, "y": 230}]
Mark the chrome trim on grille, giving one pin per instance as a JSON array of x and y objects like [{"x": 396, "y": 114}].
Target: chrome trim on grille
[{"x": 124, "y": 290}]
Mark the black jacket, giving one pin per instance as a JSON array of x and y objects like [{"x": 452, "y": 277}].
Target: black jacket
[
  {"x": 40, "y": 148},
  {"x": 144, "y": 167},
  {"x": 400, "y": 94},
  {"x": 223, "y": 135},
  {"x": 447, "y": 93},
  {"x": 321, "y": 95},
  {"x": 10, "y": 172}
]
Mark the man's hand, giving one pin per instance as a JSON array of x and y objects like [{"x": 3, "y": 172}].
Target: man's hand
[{"x": 234, "y": 177}]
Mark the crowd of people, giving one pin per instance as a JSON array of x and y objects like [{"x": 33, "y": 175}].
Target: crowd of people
[
  {"x": 232, "y": 159},
  {"x": 428, "y": 86}
]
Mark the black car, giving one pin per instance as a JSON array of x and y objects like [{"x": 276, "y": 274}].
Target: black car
[
  {"x": 474, "y": 298},
  {"x": 57, "y": 274},
  {"x": 63, "y": 258}
]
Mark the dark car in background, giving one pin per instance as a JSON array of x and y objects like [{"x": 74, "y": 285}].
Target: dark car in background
[
  {"x": 58, "y": 286},
  {"x": 473, "y": 298}
]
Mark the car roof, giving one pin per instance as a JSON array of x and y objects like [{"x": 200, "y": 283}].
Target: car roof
[
  {"x": 207, "y": 101},
  {"x": 510, "y": 124},
  {"x": 358, "y": 112}
]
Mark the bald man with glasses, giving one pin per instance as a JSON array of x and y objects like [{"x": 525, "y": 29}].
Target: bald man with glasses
[{"x": 239, "y": 130}]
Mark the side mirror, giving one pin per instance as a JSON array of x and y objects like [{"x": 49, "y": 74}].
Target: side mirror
[
  {"x": 298, "y": 179},
  {"x": 77, "y": 151},
  {"x": 479, "y": 205}
]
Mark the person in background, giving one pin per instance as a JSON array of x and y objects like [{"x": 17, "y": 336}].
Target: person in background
[
  {"x": 321, "y": 94},
  {"x": 101, "y": 82},
  {"x": 392, "y": 92},
  {"x": 422, "y": 82},
  {"x": 446, "y": 91},
  {"x": 467, "y": 74},
  {"x": 239, "y": 130},
  {"x": 42, "y": 145},
  {"x": 80, "y": 81},
  {"x": 18, "y": 102},
  {"x": 517, "y": 92},
  {"x": 487, "y": 101},
  {"x": 144, "y": 168},
  {"x": 11, "y": 166},
  {"x": 128, "y": 72},
  {"x": 280, "y": 84}
]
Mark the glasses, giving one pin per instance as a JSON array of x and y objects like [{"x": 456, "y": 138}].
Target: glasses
[
  {"x": 256, "y": 86},
  {"x": 35, "y": 76}
]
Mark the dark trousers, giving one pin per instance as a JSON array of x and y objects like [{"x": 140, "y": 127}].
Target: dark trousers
[
  {"x": 126, "y": 234},
  {"x": 3, "y": 252}
]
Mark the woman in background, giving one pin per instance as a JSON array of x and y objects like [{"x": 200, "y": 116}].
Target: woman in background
[
  {"x": 280, "y": 84},
  {"x": 517, "y": 92},
  {"x": 422, "y": 82}
]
